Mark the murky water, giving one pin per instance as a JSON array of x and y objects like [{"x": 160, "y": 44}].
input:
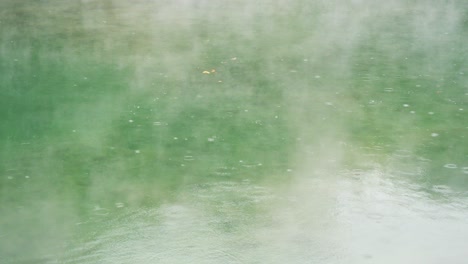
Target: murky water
[{"x": 233, "y": 131}]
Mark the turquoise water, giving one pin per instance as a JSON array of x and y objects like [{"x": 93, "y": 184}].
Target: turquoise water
[{"x": 233, "y": 132}]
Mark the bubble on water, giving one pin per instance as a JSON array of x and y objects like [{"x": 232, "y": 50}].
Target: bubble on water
[
  {"x": 317, "y": 76},
  {"x": 405, "y": 105},
  {"x": 289, "y": 170},
  {"x": 119, "y": 205},
  {"x": 418, "y": 85},
  {"x": 465, "y": 170},
  {"x": 137, "y": 151},
  {"x": 276, "y": 116},
  {"x": 450, "y": 166},
  {"x": 461, "y": 109},
  {"x": 388, "y": 90},
  {"x": 430, "y": 113},
  {"x": 27, "y": 176},
  {"x": 130, "y": 121},
  {"x": 329, "y": 103},
  {"x": 176, "y": 138},
  {"x": 434, "y": 135},
  {"x": 211, "y": 139},
  {"x": 10, "y": 177},
  {"x": 412, "y": 112},
  {"x": 74, "y": 131},
  {"x": 157, "y": 123}
]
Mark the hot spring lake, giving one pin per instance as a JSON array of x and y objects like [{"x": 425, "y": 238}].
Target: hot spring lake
[{"x": 207, "y": 132}]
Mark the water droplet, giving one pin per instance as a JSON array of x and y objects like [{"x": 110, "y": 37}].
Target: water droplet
[
  {"x": 430, "y": 113},
  {"x": 211, "y": 139},
  {"x": 450, "y": 166},
  {"x": 176, "y": 138},
  {"x": 224, "y": 171},
  {"x": 137, "y": 151},
  {"x": 189, "y": 158},
  {"x": 27, "y": 176},
  {"x": 405, "y": 105},
  {"x": 434, "y": 135},
  {"x": 317, "y": 76},
  {"x": 130, "y": 121},
  {"x": 100, "y": 211}
]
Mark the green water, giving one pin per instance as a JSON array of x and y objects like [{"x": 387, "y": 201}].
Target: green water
[{"x": 233, "y": 131}]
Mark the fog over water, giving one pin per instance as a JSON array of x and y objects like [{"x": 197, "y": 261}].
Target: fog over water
[{"x": 233, "y": 131}]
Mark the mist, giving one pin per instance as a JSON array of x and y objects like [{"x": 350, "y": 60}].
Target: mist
[{"x": 233, "y": 131}]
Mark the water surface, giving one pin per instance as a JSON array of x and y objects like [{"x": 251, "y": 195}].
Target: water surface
[{"x": 233, "y": 132}]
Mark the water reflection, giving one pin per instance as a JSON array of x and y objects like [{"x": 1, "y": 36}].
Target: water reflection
[{"x": 352, "y": 217}]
